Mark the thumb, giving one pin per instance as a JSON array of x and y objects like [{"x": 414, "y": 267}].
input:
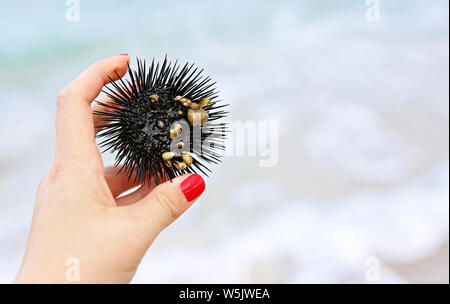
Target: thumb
[{"x": 166, "y": 202}]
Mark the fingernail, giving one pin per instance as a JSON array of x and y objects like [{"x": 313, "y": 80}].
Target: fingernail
[
  {"x": 124, "y": 54},
  {"x": 192, "y": 187}
]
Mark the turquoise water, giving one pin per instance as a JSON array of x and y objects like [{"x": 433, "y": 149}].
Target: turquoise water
[{"x": 363, "y": 145}]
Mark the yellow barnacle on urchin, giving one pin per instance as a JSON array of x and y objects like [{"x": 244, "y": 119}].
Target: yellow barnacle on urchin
[
  {"x": 179, "y": 165},
  {"x": 154, "y": 97},
  {"x": 204, "y": 102},
  {"x": 168, "y": 155},
  {"x": 197, "y": 117},
  {"x": 194, "y": 106},
  {"x": 187, "y": 159}
]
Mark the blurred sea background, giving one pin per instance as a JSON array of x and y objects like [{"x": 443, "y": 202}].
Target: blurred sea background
[{"x": 360, "y": 192}]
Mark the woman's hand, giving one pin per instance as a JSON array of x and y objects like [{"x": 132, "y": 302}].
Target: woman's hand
[{"x": 81, "y": 231}]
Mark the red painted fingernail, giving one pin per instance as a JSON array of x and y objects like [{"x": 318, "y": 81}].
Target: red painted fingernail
[
  {"x": 192, "y": 187},
  {"x": 125, "y": 54}
]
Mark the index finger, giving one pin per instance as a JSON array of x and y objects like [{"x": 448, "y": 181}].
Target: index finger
[{"x": 74, "y": 121}]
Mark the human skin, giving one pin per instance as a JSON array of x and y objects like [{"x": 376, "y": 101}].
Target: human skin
[{"x": 78, "y": 214}]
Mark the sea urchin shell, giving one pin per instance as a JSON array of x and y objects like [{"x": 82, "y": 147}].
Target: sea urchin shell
[{"x": 162, "y": 122}]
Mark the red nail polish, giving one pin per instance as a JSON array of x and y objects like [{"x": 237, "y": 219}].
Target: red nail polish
[
  {"x": 192, "y": 187},
  {"x": 125, "y": 54}
]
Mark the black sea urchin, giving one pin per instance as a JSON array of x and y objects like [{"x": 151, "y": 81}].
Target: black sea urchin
[{"x": 162, "y": 122}]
